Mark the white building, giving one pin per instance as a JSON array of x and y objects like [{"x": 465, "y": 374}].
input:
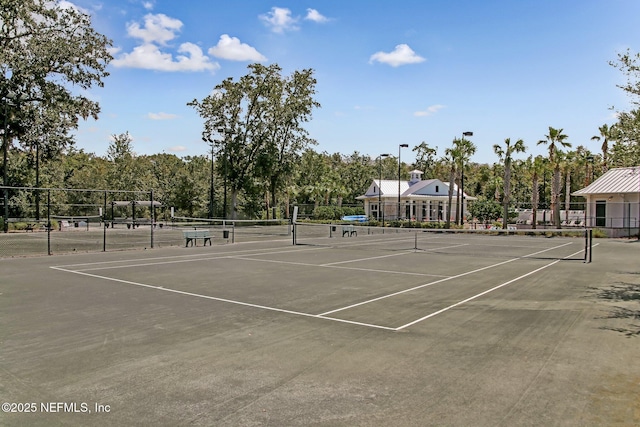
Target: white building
[
  {"x": 613, "y": 202},
  {"x": 420, "y": 200}
]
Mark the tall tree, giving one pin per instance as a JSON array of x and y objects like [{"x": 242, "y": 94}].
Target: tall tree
[
  {"x": 451, "y": 158},
  {"x": 425, "y": 158},
  {"x": 626, "y": 150},
  {"x": 260, "y": 118},
  {"x": 49, "y": 54},
  {"x": 554, "y": 141},
  {"x": 464, "y": 150},
  {"x": 607, "y": 135},
  {"x": 506, "y": 157}
]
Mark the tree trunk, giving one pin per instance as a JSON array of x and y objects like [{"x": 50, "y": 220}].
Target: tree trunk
[
  {"x": 555, "y": 196},
  {"x": 567, "y": 196},
  {"x": 234, "y": 204},
  {"x": 506, "y": 198},
  {"x": 451, "y": 179},
  {"x": 458, "y": 210}
]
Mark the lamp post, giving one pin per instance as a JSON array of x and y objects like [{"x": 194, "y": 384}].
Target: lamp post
[
  {"x": 5, "y": 154},
  {"x": 399, "y": 147},
  {"x": 211, "y": 187},
  {"x": 380, "y": 211},
  {"x": 462, "y": 180},
  {"x": 224, "y": 134}
]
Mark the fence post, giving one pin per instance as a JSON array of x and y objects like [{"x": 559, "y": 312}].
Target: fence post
[
  {"x": 48, "y": 222},
  {"x": 153, "y": 217},
  {"x": 104, "y": 223}
]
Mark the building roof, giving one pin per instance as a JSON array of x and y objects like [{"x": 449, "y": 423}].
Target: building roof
[
  {"x": 389, "y": 189},
  {"x": 614, "y": 181}
]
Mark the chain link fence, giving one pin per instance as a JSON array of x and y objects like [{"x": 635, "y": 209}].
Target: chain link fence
[{"x": 54, "y": 221}]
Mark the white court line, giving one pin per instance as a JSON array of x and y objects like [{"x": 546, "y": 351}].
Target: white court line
[
  {"x": 482, "y": 293},
  {"x": 387, "y": 256},
  {"x": 324, "y": 315},
  {"x": 361, "y": 259},
  {"x": 439, "y": 281},
  {"x": 304, "y": 264},
  {"x": 178, "y": 261},
  {"x": 171, "y": 257},
  {"x": 191, "y": 294}
]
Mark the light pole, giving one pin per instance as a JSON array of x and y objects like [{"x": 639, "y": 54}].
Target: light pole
[
  {"x": 222, "y": 131},
  {"x": 462, "y": 179},
  {"x": 211, "y": 186},
  {"x": 380, "y": 214},
  {"x": 5, "y": 154},
  {"x": 399, "y": 147}
]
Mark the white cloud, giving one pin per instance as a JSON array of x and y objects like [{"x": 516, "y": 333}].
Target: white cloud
[
  {"x": 232, "y": 49},
  {"x": 280, "y": 20},
  {"x": 162, "y": 116},
  {"x": 147, "y": 5},
  {"x": 149, "y": 56},
  {"x": 177, "y": 148},
  {"x": 157, "y": 29},
  {"x": 429, "y": 111},
  {"x": 315, "y": 16},
  {"x": 64, "y": 4},
  {"x": 402, "y": 55}
]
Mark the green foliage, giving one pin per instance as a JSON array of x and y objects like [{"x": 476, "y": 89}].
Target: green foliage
[
  {"x": 46, "y": 52},
  {"x": 255, "y": 126},
  {"x": 485, "y": 210}
]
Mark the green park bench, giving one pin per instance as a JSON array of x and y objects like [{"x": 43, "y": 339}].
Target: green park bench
[
  {"x": 349, "y": 230},
  {"x": 192, "y": 236}
]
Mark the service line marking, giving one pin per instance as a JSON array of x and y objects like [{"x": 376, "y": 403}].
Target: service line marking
[
  {"x": 246, "y": 304},
  {"x": 439, "y": 281}
]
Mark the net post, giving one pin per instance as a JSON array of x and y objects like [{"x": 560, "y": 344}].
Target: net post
[
  {"x": 590, "y": 243},
  {"x": 293, "y": 224},
  {"x": 586, "y": 244},
  {"x": 49, "y": 222}
]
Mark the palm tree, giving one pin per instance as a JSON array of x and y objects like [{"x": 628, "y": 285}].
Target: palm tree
[
  {"x": 607, "y": 134},
  {"x": 568, "y": 164},
  {"x": 451, "y": 156},
  {"x": 505, "y": 155},
  {"x": 538, "y": 166},
  {"x": 554, "y": 139},
  {"x": 464, "y": 149}
]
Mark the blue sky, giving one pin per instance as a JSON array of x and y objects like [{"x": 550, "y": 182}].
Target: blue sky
[{"x": 388, "y": 73}]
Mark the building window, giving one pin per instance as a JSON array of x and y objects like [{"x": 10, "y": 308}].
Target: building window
[{"x": 437, "y": 188}]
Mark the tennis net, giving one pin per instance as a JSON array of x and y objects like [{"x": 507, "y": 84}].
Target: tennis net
[
  {"x": 237, "y": 227},
  {"x": 572, "y": 244}
]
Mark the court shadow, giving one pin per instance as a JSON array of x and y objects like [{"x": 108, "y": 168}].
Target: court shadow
[{"x": 622, "y": 292}]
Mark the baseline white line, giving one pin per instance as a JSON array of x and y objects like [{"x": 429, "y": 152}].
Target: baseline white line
[
  {"x": 191, "y": 294},
  {"x": 483, "y": 293},
  {"x": 438, "y": 281}
]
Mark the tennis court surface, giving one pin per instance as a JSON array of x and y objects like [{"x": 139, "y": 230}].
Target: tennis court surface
[{"x": 339, "y": 329}]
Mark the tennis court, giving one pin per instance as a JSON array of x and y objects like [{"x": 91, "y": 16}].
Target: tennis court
[{"x": 365, "y": 329}]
